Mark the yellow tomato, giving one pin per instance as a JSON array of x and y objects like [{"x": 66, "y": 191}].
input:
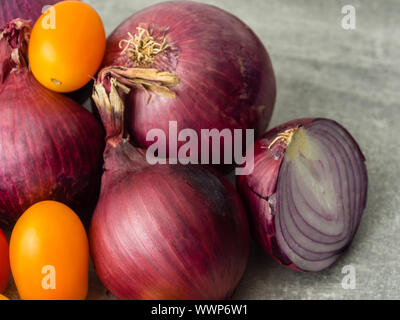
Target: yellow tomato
[
  {"x": 49, "y": 253},
  {"x": 67, "y": 46},
  {"x": 3, "y": 297}
]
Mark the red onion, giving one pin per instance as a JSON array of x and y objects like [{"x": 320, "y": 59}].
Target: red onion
[
  {"x": 224, "y": 72},
  {"x": 4, "y": 262},
  {"x": 50, "y": 147},
  {"x": 163, "y": 231},
  {"x": 24, "y": 9},
  {"x": 307, "y": 192}
]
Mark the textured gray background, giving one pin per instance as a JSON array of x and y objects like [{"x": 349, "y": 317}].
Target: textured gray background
[{"x": 352, "y": 77}]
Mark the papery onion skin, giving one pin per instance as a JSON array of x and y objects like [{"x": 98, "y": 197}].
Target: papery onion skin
[
  {"x": 261, "y": 193},
  {"x": 226, "y": 79},
  {"x": 24, "y": 9},
  {"x": 50, "y": 147}
]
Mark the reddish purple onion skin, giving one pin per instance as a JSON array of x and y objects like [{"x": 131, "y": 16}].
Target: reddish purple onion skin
[
  {"x": 24, "y": 9},
  {"x": 225, "y": 73},
  {"x": 167, "y": 231},
  {"x": 261, "y": 193},
  {"x": 50, "y": 147}
]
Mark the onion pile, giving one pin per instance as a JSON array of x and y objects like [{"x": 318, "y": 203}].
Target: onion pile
[
  {"x": 173, "y": 231},
  {"x": 307, "y": 193},
  {"x": 50, "y": 147},
  {"x": 163, "y": 231},
  {"x": 24, "y": 9},
  {"x": 223, "y": 74}
]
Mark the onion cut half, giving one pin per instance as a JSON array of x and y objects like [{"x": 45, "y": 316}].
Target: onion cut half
[{"x": 307, "y": 192}]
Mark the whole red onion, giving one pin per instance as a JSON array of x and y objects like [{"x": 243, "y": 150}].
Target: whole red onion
[
  {"x": 50, "y": 147},
  {"x": 307, "y": 192},
  {"x": 163, "y": 231},
  {"x": 24, "y": 9},
  {"x": 224, "y": 72}
]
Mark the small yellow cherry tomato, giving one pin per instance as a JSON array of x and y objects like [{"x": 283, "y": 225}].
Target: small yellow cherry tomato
[
  {"x": 67, "y": 46},
  {"x": 49, "y": 254}
]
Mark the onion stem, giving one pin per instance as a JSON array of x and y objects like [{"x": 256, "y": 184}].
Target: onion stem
[
  {"x": 150, "y": 80},
  {"x": 285, "y": 136},
  {"x": 142, "y": 48}
]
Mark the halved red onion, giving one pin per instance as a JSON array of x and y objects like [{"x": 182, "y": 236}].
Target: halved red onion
[{"x": 307, "y": 192}]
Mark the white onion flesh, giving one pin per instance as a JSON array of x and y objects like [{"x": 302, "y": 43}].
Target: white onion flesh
[{"x": 319, "y": 191}]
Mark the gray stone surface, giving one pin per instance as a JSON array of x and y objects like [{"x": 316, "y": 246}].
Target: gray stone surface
[{"x": 352, "y": 77}]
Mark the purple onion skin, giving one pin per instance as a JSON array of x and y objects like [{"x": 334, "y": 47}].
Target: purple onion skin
[
  {"x": 167, "y": 231},
  {"x": 50, "y": 147},
  {"x": 260, "y": 192},
  {"x": 225, "y": 73},
  {"x": 24, "y": 9}
]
